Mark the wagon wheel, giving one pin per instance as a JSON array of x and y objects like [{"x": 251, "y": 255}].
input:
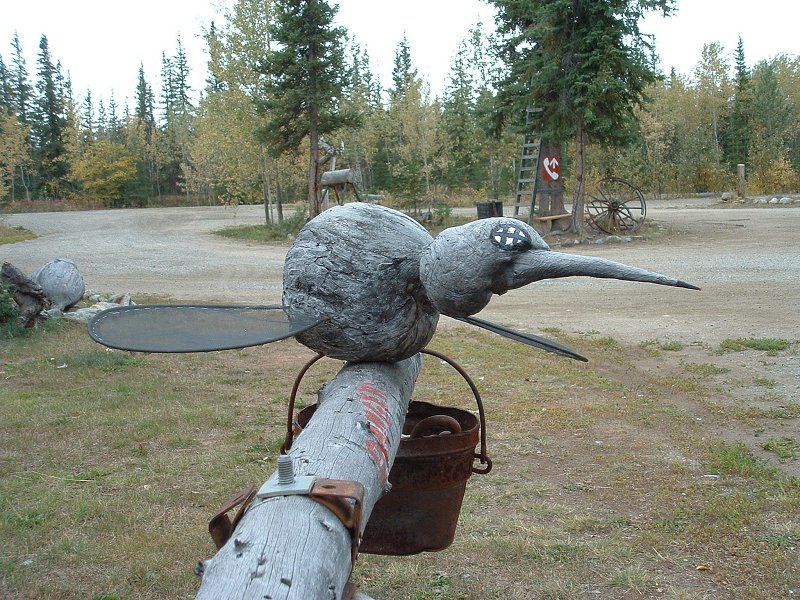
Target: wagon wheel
[{"x": 616, "y": 206}]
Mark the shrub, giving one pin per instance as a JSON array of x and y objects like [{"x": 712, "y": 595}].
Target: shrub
[{"x": 8, "y": 308}]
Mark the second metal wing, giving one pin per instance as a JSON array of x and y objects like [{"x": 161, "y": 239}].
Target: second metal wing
[{"x": 193, "y": 327}]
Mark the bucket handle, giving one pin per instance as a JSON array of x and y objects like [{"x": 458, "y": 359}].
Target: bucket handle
[
  {"x": 293, "y": 429},
  {"x": 483, "y": 455},
  {"x": 435, "y": 425}
]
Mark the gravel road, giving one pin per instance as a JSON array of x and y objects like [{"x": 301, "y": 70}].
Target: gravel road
[{"x": 747, "y": 260}]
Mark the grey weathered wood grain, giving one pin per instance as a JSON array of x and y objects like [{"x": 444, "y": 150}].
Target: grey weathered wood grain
[
  {"x": 291, "y": 547},
  {"x": 358, "y": 265},
  {"x": 339, "y": 177},
  {"x": 61, "y": 281}
]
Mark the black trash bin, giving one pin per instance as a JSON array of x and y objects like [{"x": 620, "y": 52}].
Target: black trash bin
[{"x": 492, "y": 208}]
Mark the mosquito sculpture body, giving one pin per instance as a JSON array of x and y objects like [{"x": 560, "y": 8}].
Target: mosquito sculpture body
[{"x": 363, "y": 282}]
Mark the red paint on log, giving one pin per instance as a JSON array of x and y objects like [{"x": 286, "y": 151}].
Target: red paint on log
[{"x": 377, "y": 412}]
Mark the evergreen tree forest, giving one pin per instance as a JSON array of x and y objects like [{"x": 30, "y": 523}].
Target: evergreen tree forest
[{"x": 231, "y": 143}]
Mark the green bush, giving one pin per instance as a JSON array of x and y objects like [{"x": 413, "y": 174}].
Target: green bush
[{"x": 8, "y": 308}]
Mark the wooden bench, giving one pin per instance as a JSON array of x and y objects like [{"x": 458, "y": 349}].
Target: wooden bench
[{"x": 553, "y": 217}]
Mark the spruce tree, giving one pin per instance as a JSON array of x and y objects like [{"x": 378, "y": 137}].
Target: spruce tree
[
  {"x": 410, "y": 127},
  {"x": 88, "y": 125},
  {"x": 114, "y": 127},
  {"x": 102, "y": 120},
  {"x": 738, "y": 135},
  {"x": 585, "y": 62},
  {"x": 177, "y": 117},
  {"x": 305, "y": 83},
  {"x": 21, "y": 90},
  {"x": 362, "y": 96},
  {"x": 17, "y": 98},
  {"x": 144, "y": 138},
  {"x": 6, "y": 94},
  {"x": 50, "y": 125},
  {"x": 403, "y": 72},
  {"x": 459, "y": 121}
]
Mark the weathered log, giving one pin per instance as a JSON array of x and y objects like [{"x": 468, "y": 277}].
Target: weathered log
[
  {"x": 339, "y": 177},
  {"x": 28, "y": 295},
  {"x": 357, "y": 266},
  {"x": 291, "y": 547},
  {"x": 62, "y": 282}
]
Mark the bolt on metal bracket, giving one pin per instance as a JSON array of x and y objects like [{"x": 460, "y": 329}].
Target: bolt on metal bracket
[{"x": 284, "y": 482}]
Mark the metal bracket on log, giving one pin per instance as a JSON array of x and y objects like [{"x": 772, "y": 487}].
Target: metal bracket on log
[
  {"x": 343, "y": 498},
  {"x": 221, "y": 526}
]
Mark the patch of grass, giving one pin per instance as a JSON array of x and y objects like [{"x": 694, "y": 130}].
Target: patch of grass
[
  {"x": 785, "y": 448},
  {"x": 272, "y": 232},
  {"x": 650, "y": 348},
  {"x": 558, "y": 552},
  {"x": 12, "y": 235},
  {"x": 788, "y": 410},
  {"x": 704, "y": 369},
  {"x": 27, "y": 519},
  {"x": 633, "y": 578},
  {"x": 105, "y": 360},
  {"x": 673, "y": 346},
  {"x": 10, "y": 329},
  {"x": 769, "y": 345},
  {"x": 784, "y": 540},
  {"x": 737, "y": 460},
  {"x": 289, "y": 227},
  {"x": 438, "y": 587},
  {"x": 764, "y": 382},
  {"x": 607, "y": 343},
  {"x": 553, "y": 330},
  {"x": 445, "y": 223},
  {"x": 8, "y": 311}
]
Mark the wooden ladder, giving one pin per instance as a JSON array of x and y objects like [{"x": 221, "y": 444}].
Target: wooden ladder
[{"x": 528, "y": 175}]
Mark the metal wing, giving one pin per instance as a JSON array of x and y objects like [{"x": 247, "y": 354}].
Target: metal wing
[
  {"x": 193, "y": 328},
  {"x": 525, "y": 338}
]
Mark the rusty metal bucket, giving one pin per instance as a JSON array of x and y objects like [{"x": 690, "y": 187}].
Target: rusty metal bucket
[{"x": 429, "y": 475}]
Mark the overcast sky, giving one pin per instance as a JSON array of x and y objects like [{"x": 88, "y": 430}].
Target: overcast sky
[{"x": 102, "y": 42}]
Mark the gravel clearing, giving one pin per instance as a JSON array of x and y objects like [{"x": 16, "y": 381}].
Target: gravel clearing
[{"x": 747, "y": 260}]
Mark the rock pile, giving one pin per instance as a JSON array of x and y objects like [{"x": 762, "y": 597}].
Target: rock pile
[
  {"x": 101, "y": 303},
  {"x": 776, "y": 200}
]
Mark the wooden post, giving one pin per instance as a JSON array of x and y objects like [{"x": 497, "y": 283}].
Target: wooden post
[
  {"x": 741, "y": 187},
  {"x": 291, "y": 547}
]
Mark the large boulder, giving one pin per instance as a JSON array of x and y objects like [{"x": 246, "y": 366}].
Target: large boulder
[{"x": 61, "y": 282}]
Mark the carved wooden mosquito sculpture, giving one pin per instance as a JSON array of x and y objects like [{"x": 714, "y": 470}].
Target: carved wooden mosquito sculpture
[{"x": 364, "y": 282}]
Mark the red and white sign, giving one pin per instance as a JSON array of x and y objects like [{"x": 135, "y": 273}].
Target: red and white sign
[{"x": 551, "y": 168}]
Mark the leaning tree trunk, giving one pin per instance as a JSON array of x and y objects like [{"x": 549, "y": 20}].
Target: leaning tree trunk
[
  {"x": 291, "y": 547},
  {"x": 580, "y": 176}
]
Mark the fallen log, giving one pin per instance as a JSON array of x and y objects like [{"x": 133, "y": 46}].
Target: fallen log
[
  {"x": 29, "y": 296},
  {"x": 292, "y": 547}
]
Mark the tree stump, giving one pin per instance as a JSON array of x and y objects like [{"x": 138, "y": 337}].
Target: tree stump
[{"x": 29, "y": 296}]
